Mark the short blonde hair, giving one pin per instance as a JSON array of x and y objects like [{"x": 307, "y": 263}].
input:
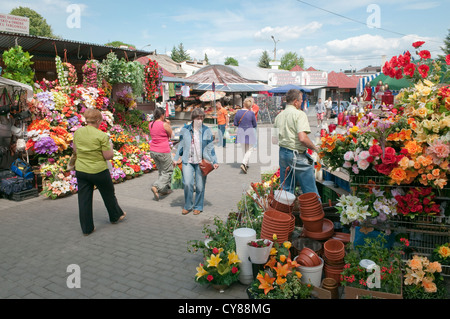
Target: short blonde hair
[
  {"x": 248, "y": 102},
  {"x": 93, "y": 116}
]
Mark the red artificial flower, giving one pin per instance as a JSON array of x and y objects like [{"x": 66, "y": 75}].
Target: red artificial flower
[
  {"x": 393, "y": 62},
  {"x": 425, "y": 54},
  {"x": 215, "y": 251},
  {"x": 384, "y": 168},
  {"x": 410, "y": 69},
  {"x": 423, "y": 70},
  {"x": 234, "y": 270},
  {"x": 398, "y": 74},
  {"x": 375, "y": 150},
  {"x": 404, "y": 60},
  {"x": 418, "y": 44},
  {"x": 447, "y": 59},
  {"x": 210, "y": 278}
]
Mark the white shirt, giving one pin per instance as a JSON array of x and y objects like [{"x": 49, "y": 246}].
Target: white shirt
[
  {"x": 185, "y": 91},
  {"x": 195, "y": 155}
]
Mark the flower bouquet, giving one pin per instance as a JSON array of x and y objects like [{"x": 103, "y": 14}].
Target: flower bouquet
[
  {"x": 422, "y": 279},
  {"x": 221, "y": 268},
  {"x": 280, "y": 278},
  {"x": 441, "y": 254},
  {"x": 117, "y": 175},
  {"x": 90, "y": 73}
]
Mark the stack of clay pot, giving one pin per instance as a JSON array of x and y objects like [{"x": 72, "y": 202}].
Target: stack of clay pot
[
  {"x": 315, "y": 226},
  {"x": 310, "y": 266},
  {"x": 282, "y": 201},
  {"x": 278, "y": 223},
  {"x": 334, "y": 252},
  {"x": 308, "y": 257}
]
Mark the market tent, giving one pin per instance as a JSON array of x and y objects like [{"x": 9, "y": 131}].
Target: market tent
[
  {"x": 363, "y": 81},
  {"x": 394, "y": 84},
  {"x": 287, "y": 87},
  {"x": 12, "y": 85}
]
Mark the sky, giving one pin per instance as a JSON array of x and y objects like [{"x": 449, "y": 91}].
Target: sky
[{"x": 330, "y": 35}]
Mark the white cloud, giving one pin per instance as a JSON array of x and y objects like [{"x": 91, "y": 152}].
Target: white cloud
[{"x": 287, "y": 32}]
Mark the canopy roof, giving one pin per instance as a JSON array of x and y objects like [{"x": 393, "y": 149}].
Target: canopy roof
[
  {"x": 11, "y": 85},
  {"x": 287, "y": 87},
  {"x": 225, "y": 79}
]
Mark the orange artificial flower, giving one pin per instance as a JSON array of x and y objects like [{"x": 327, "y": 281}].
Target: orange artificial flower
[
  {"x": 271, "y": 263},
  {"x": 266, "y": 282},
  {"x": 440, "y": 183},
  {"x": 413, "y": 148},
  {"x": 282, "y": 270},
  {"x": 398, "y": 175},
  {"x": 436, "y": 172}
]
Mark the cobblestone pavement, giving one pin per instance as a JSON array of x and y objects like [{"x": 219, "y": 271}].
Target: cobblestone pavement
[{"x": 143, "y": 257}]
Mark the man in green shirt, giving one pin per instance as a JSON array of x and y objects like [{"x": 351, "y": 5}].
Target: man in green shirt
[{"x": 293, "y": 129}]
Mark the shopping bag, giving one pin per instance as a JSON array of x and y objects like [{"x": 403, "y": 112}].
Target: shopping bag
[
  {"x": 226, "y": 135},
  {"x": 177, "y": 179}
]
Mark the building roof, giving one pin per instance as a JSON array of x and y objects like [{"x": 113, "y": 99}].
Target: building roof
[
  {"x": 43, "y": 47},
  {"x": 252, "y": 73},
  {"x": 342, "y": 81},
  {"x": 311, "y": 69},
  {"x": 144, "y": 60},
  {"x": 168, "y": 64},
  {"x": 297, "y": 68}
]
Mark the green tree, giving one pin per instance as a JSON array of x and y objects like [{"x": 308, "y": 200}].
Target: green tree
[
  {"x": 231, "y": 61},
  {"x": 291, "y": 59},
  {"x": 18, "y": 65},
  {"x": 38, "y": 25},
  {"x": 117, "y": 44},
  {"x": 264, "y": 60},
  {"x": 446, "y": 47},
  {"x": 206, "y": 59},
  {"x": 179, "y": 54}
]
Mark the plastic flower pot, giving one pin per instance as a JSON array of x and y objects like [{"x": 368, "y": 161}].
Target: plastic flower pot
[
  {"x": 312, "y": 275},
  {"x": 311, "y": 255},
  {"x": 260, "y": 255}
]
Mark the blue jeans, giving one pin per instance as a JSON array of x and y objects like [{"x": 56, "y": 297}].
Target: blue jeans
[
  {"x": 301, "y": 171},
  {"x": 192, "y": 175},
  {"x": 222, "y": 129}
]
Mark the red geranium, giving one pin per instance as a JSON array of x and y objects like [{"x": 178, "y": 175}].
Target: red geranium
[
  {"x": 447, "y": 59},
  {"x": 404, "y": 60},
  {"x": 418, "y": 44},
  {"x": 423, "y": 70},
  {"x": 398, "y": 74},
  {"x": 410, "y": 69},
  {"x": 425, "y": 54}
]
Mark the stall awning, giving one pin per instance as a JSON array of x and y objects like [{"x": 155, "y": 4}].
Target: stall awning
[
  {"x": 14, "y": 85},
  {"x": 234, "y": 87}
]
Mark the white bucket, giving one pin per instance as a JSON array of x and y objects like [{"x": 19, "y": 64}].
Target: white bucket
[
  {"x": 242, "y": 236},
  {"x": 259, "y": 255},
  {"x": 284, "y": 197},
  {"x": 311, "y": 275}
]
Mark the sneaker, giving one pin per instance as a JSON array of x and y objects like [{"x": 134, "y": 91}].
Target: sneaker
[{"x": 244, "y": 168}]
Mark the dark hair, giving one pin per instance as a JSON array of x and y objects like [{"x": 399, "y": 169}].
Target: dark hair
[
  {"x": 292, "y": 95},
  {"x": 157, "y": 113}
]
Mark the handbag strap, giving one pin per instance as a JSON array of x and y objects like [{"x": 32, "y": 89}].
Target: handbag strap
[{"x": 242, "y": 117}]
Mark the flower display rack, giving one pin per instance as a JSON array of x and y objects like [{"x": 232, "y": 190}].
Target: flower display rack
[{"x": 423, "y": 232}]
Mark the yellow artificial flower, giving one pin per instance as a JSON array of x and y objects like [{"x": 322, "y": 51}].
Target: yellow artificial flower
[
  {"x": 273, "y": 251},
  {"x": 280, "y": 280},
  {"x": 283, "y": 258},
  {"x": 200, "y": 271},
  {"x": 354, "y": 129},
  {"x": 287, "y": 244},
  {"x": 233, "y": 258},
  {"x": 274, "y": 237},
  {"x": 444, "y": 251},
  {"x": 214, "y": 260}
]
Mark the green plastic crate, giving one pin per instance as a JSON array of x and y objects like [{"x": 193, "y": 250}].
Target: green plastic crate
[{"x": 328, "y": 194}]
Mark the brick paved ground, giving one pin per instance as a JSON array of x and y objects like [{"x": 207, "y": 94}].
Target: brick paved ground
[{"x": 143, "y": 257}]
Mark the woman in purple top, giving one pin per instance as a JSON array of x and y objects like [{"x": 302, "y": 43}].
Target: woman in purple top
[
  {"x": 161, "y": 132},
  {"x": 245, "y": 121}
]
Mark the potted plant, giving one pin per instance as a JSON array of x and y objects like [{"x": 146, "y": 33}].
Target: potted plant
[
  {"x": 355, "y": 276},
  {"x": 259, "y": 250},
  {"x": 280, "y": 278},
  {"x": 221, "y": 269},
  {"x": 422, "y": 279}
]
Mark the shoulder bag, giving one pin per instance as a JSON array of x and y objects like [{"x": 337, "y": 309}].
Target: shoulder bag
[{"x": 205, "y": 166}]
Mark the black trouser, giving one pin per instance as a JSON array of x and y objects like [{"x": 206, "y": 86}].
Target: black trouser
[{"x": 105, "y": 186}]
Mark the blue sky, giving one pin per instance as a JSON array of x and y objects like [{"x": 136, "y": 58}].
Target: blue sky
[{"x": 242, "y": 29}]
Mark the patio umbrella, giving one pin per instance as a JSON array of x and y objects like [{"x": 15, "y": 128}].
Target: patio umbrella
[{"x": 208, "y": 96}]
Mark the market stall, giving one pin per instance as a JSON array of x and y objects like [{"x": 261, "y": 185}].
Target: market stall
[{"x": 386, "y": 237}]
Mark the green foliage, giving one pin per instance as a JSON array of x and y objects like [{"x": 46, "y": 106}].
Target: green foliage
[
  {"x": 179, "y": 54},
  {"x": 18, "y": 65},
  {"x": 291, "y": 59},
  {"x": 231, "y": 61},
  {"x": 117, "y": 44},
  {"x": 264, "y": 60},
  {"x": 206, "y": 59},
  {"x": 38, "y": 25}
]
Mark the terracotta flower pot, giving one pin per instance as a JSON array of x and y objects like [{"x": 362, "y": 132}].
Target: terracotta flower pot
[
  {"x": 309, "y": 253},
  {"x": 333, "y": 246},
  {"x": 276, "y": 215},
  {"x": 307, "y": 197},
  {"x": 336, "y": 263},
  {"x": 311, "y": 212},
  {"x": 304, "y": 261},
  {"x": 326, "y": 233}
]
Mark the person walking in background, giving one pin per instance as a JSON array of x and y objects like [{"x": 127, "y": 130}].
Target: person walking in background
[
  {"x": 293, "y": 129},
  {"x": 222, "y": 121},
  {"x": 161, "y": 133},
  {"x": 245, "y": 121},
  {"x": 329, "y": 106},
  {"x": 93, "y": 148},
  {"x": 255, "y": 109},
  {"x": 320, "y": 111},
  {"x": 196, "y": 143}
]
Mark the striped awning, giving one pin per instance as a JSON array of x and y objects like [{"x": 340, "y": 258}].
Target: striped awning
[{"x": 363, "y": 81}]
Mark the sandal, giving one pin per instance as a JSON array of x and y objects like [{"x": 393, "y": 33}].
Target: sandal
[
  {"x": 185, "y": 212},
  {"x": 196, "y": 212}
]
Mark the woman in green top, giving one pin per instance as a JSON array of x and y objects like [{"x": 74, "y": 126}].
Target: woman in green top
[{"x": 93, "y": 148}]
